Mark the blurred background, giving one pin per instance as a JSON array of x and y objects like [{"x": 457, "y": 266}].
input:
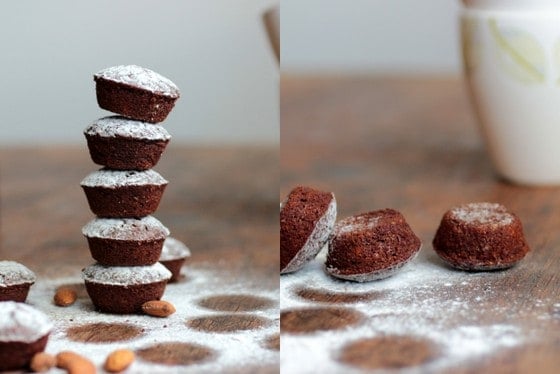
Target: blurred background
[
  {"x": 216, "y": 51},
  {"x": 370, "y": 36}
]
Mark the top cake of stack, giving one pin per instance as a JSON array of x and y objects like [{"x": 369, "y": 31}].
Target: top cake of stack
[{"x": 135, "y": 92}]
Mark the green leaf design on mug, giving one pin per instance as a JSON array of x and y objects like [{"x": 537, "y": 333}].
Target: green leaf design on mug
[
  {"x": 521, "y": 55},
  {"x": 556, "y": 56}
]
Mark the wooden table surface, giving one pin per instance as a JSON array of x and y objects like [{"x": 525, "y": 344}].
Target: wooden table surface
[
  {"x": 221, "y": 201},
  {"x": 413, "y": 145}
]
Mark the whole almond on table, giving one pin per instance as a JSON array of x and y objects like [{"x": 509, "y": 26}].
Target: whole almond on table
[
  {"x": 65, "y": 296},
  {"x": 119, "y": 360},
  {"x": 42, "y": 362},
  {"x": 73, "y": 363},
  {"x": 158, "y": 308}
]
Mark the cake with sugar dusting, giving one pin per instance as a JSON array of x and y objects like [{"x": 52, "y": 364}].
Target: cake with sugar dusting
[
  {"x": 123, "y": 144},
  {"x": 307, "y": 217},
  {"x": 480, "y": 236},
  {"x": 15, "y": 281},
  {"x": 125, "y": 241},
  {"x": 123, "y": 193},
  {"x": 135, "y": 92},
  {"x": 173, "y": 256},
  {"x": 24, "y": 331},
  {"x": 371, "y": 246},
  {"x": 123, "y": 290}
]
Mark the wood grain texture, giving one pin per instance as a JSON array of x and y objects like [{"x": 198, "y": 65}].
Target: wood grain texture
[
  {"x": 220, "y": 201},
  {"x": 413, "y": 145}
]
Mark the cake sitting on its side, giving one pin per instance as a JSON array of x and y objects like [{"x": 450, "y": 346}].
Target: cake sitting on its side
[
  {"x": 15, "y": 281},
  {"x": 173, "y": 256},
  {"x": 135, "y": 92},
  {"x": 123, "y": 194},
  {"x": 125, "y": 241},
  {"x": 123, "y": 290},
  {"x": 120, "y": 143},
  {"x": 480, "y": 236},
  {"x": 24, "y": 331},
  {"x": 307, "y": 217},
  {"x": 371, "y": 246}
]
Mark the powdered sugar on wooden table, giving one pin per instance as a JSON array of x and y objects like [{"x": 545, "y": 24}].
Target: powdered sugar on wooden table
[
  {"x": 117, "y": 126},
  {"x": 140, "y": 77},
  {"x": 233, "y": 351},
  {"x": 425, "y": 299}
]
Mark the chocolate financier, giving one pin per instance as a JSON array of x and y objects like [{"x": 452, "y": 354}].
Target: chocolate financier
[
  {"x": 480, "y": 236},
  {"x": 307, "y": 218}
]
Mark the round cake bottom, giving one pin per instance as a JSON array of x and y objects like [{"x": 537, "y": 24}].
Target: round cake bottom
[
  {"x": 125, "y": 252},
  {"x": 119, "y": 299},
  {"x": 125, "y": 153},
  {"x": 15, "y": 292},
  {"x": 18, "y": 355},
  {"x": 124, "y": 201}
]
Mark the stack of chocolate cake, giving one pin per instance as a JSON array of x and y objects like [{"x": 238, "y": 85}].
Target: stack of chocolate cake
[{"x": 124, "y": 239}]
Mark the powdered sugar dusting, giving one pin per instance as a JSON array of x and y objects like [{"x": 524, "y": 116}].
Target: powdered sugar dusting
[
  {"x": 174, "y": 249},
  {"x": 140, "y": 77},
  {"x": 126, "y": 275},
  {"x": 117, "y": 126},
  {"x": 425, "y": 299},
  {"x": 20, "y": 322},
  {"x": 356, "y": 223},
  {"x": 482, "y": 213},
  {"x": 120, "y": 178},
  {"x": 234, "y": 351},
  {"x": 12, "y": 273},
  {"x": 146, "y": 228},
  {"x": 315, "y": 241}
]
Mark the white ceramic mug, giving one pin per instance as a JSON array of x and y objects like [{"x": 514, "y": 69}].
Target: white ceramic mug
[{"x": 511, "y": 54}]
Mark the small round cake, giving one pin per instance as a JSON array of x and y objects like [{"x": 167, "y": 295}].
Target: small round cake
[
  {"x": 371, "y": 246},
  {"x": 173, "y": 256},
  {"x": 307, "y": 217},
  {"x": 123, "y": 144},
  {"x": 15, "y": 281},
  {"x": 135, "y": 92},
  {"x": 125, "y": 241},
  {"x": 123, "y": 290},
  {"x": 123, "y": 193},
  {"x": 24, "y": 331},
  {"x": 480, "y": 236}
]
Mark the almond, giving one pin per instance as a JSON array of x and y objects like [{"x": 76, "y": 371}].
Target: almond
[
  {"x": 158, "y": 308},
  {"x": 73, "y": 363},
  {"x": 65, "y": 296},
  {"x": 119, "y": 360},
  {"x": 42, "y": 362}
]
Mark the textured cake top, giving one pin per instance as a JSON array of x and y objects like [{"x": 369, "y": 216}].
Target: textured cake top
[
  {"x": 20, "y": 322},
  {"x": 140, "y": 77},
  {"x": 117, "y": 126},
  {"x": 174, "y": 249},
  {"x": 120, "y": 178},
  {"x": 482, "y": 213},
  {"x": 146, "y": 228},
  {"x": 12, "y": 272},
  {"x": 126, "y": 275},
  {"x": 362, "y": 222}
]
